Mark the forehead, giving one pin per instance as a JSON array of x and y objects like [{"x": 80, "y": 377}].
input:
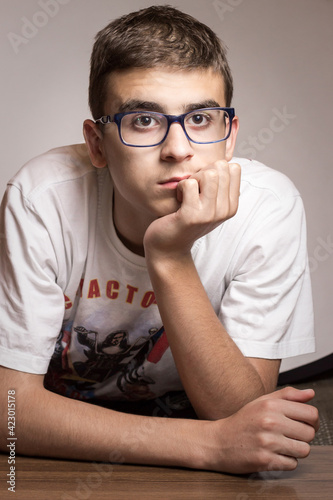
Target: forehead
[{"x": 172, "y": 89}]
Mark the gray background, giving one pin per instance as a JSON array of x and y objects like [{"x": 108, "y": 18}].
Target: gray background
[{"x": 280, "y": 52}]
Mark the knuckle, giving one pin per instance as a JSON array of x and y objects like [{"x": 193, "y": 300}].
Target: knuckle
[
  {"x": 312, "y": 416},
  {"x": 211, "y": 175},
  {"x": 222, "y": 164},
  {"x": 266, "y": 440},
  {"x": 268, "y": 405},
  {"x": 315, "y": 414},
  {"x": 304, "y": 450},
  {"x": 288, "y": 392},
  {"x": 235, "y": 167},
  {"x": 191, "y": 182},
  {"x": 299, "y": 449},
  {"x": 291, "y": 464},
  {"x": 233, "y": 208},
  {"x": 268, "y": 423},
  {"x": 264, "y": 459},
  {"x": 312, "y": 434},
  {"x": 223, "y": 213},
  {"x": 307, "y": 450}
]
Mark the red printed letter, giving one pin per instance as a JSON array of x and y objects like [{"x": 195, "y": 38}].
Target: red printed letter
[
  {"x": 94, "y": 291},
  {"x": 112, "y": 288},
  {"x": 68, "y": 302},
  {"x": 148, "y": 300},
  {"x": 131, "y": 292}
]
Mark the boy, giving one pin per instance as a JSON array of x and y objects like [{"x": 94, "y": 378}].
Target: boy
[{"x": 161, "y": 270}]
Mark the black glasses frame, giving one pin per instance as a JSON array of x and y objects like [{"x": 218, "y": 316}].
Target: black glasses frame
[{"x": 116, "y": 118}]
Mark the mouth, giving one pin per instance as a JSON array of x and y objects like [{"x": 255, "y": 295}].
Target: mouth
[{"x": 172, "y": 183}]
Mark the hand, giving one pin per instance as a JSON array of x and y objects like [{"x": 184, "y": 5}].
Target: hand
[
  {"x": 207, "y": 198},
  {"x": 270, "y": 433}
]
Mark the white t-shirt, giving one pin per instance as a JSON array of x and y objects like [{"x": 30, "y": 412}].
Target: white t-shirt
[{"x": 77, "y": 304}]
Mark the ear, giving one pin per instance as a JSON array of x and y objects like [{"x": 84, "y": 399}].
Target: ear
[
  {"x": 94, "y": 140},
  {"x": 231, "y": 141}
]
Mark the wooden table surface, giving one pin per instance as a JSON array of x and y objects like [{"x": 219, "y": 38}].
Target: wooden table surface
[{"x": 48, "y": 479}]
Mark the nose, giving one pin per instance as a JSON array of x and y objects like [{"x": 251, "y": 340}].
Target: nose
[{"x": 176, "y": 146}]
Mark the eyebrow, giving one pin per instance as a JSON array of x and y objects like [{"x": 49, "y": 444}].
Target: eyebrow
[
  {"x": 209, "y": 103},
  {"x": 136, "y": 105}
]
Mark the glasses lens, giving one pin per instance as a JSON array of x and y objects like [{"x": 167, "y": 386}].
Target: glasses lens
[
  {"x": 207, "y": 125},
  {"x": 143, "y": 128}
]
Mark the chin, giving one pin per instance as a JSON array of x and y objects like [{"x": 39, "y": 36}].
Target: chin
[{"x": 168, "y": 207}]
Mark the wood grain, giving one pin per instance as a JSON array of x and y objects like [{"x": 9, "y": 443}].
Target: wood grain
[{"x": 49, "y": 479}]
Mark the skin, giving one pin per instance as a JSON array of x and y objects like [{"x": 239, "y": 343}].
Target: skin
[{"x": 242, "y": 428}]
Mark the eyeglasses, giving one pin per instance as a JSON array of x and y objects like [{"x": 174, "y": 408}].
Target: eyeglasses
[{"x": 143, "y": 129}]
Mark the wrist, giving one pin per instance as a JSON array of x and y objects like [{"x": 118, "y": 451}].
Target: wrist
[
  {"x": 162, "y": 245},
  {"x": 208, "y": 452},
  {"x": 169, "y": 264}
]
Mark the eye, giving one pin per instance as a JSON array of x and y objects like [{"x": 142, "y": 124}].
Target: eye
[
  {"x": 145, "y": 121},
  {"x": 199, "y": 119}
]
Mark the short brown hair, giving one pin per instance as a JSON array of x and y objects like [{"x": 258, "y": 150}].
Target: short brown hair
[{"x": 153, "y": 37}]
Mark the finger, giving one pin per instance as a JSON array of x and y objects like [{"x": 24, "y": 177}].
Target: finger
[
  {"x": 188, "y": 193},
  {"x": 299, "y": 430},
  {"x": 200, "y": 193},
  {"x": 288, "y": 418},
  {"x": 300, "y": 411},
  {"x": 285, "y": 463},
  {"x": 214, "y": 185},
  {"x": 294, "y": 448},
  {"x": 229, "y": 186},
  {"x": 209, "y": 187},
  {"x": 292, "y": 394},
  {"x": 276, "y": 462},
  {"x": 304, "y": 413},
  {"x": 234, "y": 190},
  {"x": 300, "y": 396},
  {"x": 223, "y": 199}
]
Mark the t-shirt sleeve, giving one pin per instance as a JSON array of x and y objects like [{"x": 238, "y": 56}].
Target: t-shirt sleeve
[
  {"x": 32, "y": 303},
  {"x": 267, "y": 307}
]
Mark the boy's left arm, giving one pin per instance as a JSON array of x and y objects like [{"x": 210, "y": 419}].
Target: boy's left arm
[{"x": 216, "y": 376}]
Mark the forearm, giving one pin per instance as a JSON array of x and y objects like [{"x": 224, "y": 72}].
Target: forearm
[
  {"x": 51, "y": 425},
  {"x": 267, "y": 434},
  {"x": 217, "y": 377}
]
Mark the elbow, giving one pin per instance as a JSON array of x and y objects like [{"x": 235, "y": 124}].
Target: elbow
[{"x": 229, "y": 404}]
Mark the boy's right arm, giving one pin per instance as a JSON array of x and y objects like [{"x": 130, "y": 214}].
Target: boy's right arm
[{"x": 269, "y": 433}]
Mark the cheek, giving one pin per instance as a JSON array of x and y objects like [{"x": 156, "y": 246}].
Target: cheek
[
  {"x": 213, "y": 152},
  {"x": 118, "y": 159},
  {"x": 221, "y": 149},
  {"x": 126, "y": 167},
  {"x": 129, "y": 162}
]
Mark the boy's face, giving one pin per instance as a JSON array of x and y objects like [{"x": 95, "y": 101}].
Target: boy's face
[{"x": 140, "y": 174}]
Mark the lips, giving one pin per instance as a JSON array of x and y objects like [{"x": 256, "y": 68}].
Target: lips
[{"x": 174, "y": 180}]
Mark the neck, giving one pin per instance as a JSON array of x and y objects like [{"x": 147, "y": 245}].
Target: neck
[
  {"x": 130, "y": 230},
  {"x": 132, "y": 246}
]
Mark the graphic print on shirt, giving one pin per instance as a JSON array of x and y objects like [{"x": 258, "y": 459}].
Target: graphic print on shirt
[{"x": 112, "y": 356}]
